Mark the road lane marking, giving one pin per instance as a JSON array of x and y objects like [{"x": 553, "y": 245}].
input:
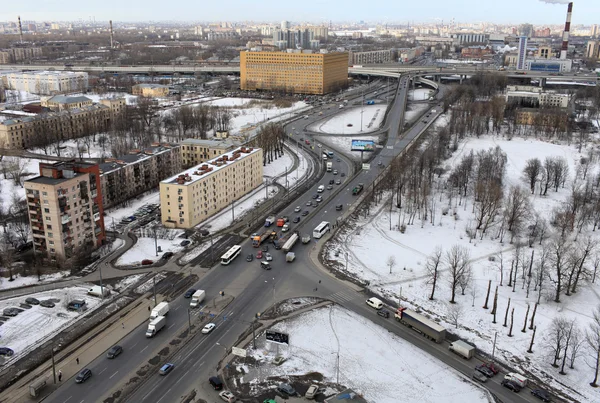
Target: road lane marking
[
  {"x": 171, "y": 325},
  {"x": 69, "y": 398},
  {"x": 163, "y": 396},
  {"x": 179, "y": 306},
  {"x": 102, "y": 371},
  {"x": 144, "y": 349},
  {"x": 113, "y": 375},
  {"x": 135, "y": 345}
]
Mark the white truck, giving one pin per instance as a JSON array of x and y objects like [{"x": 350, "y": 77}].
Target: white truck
[
  {"x": 518, "y": 378},
  {"x": 155, "y": 326},
  {"x": 161, "y": 309},
  {"x": 290, "y": 256},
  {"x": 289, "y": 244},
  {"x": 329, "y": 166},
  {"x": 197, "y": 298},
  {"x": 97, "y": 291},
  {"x": 465, "y": 350},
  {"x": 306, "y": 239}
]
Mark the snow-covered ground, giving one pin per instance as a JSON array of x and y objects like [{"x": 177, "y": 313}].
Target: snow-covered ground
[
  {"x": 25, "y": 331},
  {"x": 29, "y": 280},
  {"x": 348, "y": 121},
  {"x": 117, "y": 214},
  {"x": 72, "y": 148},
  {"x": 420, "y": 94},
  {"x": 409, "y": 276},
  {"x": 372, "y": 361},
  {"x": 344, "y": 144},
  {"x": 198, "y": 250},
  {"x": 9, "y": 189},
  {"x": 129, "y": 99},
  {"x": 145, "y": 248}
]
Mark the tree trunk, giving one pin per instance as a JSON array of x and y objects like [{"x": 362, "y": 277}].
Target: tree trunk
[
  {"x": 533, "y": 316},
  {"x": 506, "y": 314},
  {"x": 487, "y": 297}
]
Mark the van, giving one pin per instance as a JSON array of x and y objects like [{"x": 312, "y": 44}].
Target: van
[
  {"x": 517, "y": 378},
  {"x": 321, "y": 188},
  {"x": 375, "y": 303}
]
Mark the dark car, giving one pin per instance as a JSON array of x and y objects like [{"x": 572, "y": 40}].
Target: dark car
[
  {"x": 315, "y": 196},
  {"x": 541, "y": 394},
  {"x": 286, "y": 389},
  {"x": 383, "y": 313},
  {"x": 189, "y": 293},
  {"x": 296, "y": 220},
  {"x": 343, "y": 174},
  {"x": 216, "y": 383},
  {"x": 265, "y": 248},
  {"x": 512, "y": 385},
  {"x": 84, "y": 375},
  {"x": 47, "y": 303},
  {"x": 32, "y": 301},
  {"x": 305, "y": 213},
  {"x": 167, "y": 255},
  {"x": 147, "y": 262},
  {"x": 331, "y": 181},
  {"x": 249, "y": 258},
  {"x": 10, "y": 312},
  {"x": 492, "y": 367},
  {"x": 185, "y": 243},
  {"x": 6, "y": 351},
  {"x": 484, "y": 370},
  {"x": 114, "y": 351},
  {"x": 339, "y": 207}
]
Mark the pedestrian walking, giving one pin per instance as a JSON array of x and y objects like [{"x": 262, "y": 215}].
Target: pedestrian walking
[
  {"x": 59, "y": 375},
  {"x": 123, "y": 324},
  {"x": 77, "y": 360}
]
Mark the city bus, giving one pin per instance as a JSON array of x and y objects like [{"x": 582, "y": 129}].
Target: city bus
[
  {"x": 231, "y": 254},
  {"x": 321, "y": 230}
]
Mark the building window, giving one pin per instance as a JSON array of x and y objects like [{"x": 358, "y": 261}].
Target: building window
[
  {"x": 48, "y": 218},
  {"x": 51, "y": 242},
  {"x": 45, "y": 201},
  {"x": 44, "y": 193},
  {"x": 48, "y": 226},
  {"x": 50, "y": 235},
  {"x": 46, "y": 210}
]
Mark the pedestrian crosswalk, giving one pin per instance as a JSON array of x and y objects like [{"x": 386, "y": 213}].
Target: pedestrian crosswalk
[{"x": 343, "y": 296}]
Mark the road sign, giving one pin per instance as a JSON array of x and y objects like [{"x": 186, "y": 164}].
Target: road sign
[
  {"x": 378, "y": 146},
  {"x": 277, "y": 337},
  {"x": 238, "y": 351},
  {"x": 366, "y": 167}
]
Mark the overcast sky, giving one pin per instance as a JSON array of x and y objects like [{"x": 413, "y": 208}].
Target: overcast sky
[{"x": 499, "y": 11}]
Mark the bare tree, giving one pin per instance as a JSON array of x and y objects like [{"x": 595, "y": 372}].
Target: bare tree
[
  {"x": 457, "y": 260},
  {"x": 517, "y": 208},
  {"x": 391, "y": 262},
  {"x": 558, "y": 250},
  {"x": 16, "y": 168},
  {"x": 575, "y": 346},
  {"x": 432, "y": 266},
  {"x": 556, "y": 338},
  {"x": 532, "y": 172},
  {"x": 455, "y": 312},
  {"x": 570, "y": 330},
  {"x": 592, "y": 338}
]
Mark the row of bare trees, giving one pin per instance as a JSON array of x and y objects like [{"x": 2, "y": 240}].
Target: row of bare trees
[{"x": 271, "y": 139}]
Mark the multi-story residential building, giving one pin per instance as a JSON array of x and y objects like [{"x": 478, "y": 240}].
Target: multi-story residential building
[
  {"x": 137, "y": 172},
  {"x": 293, "y": 39},
  {"x": 195, "y": 151},
  {"x": 70, "y": 123},
  {"x": 320, "y": 32},
  {"x": 189, "y": 198},
  {"x": 65, "y": 209},
  {"x": 46, "y": 82},
  {"x": 301, "y": 72},
  {"x": 541, "y": 117},
  {"x": 530, "y": 96},
  {"x": 465, "y": 38},
  {"x": 150, "y": 90},
  {"x": 14, "y": 55},
  {"x": 63, "y": 102},
  {"x": 543, "y": 52},
  {"x": 373, "y": 57},
  {"x": 476, "y": 52},
  {"x": 592, "y": 50}
]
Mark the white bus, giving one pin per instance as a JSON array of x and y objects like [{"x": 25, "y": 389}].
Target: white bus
[
  {"x": 231, "y": 254},
  {"x": 321, "y": 230}
]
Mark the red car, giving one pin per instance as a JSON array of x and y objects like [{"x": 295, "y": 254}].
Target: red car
[
  {"x": 259, "y": 254},
  {"x": 307, "y": 142},
  {"x": 146, "y": 262},
  {"x": 492, "y": 367}
]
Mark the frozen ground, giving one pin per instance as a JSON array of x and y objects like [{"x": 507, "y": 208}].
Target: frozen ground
[
  {"x": 348, "y": 122},
  {"x": 372, "y": 361},
  {"x": 29, "y": 280},
  {"x": 28, "y": 328},
  {"x": 371, "y": 243},
  {"x": 420, "y": 94},
  {"x": 145, "y": 248}
]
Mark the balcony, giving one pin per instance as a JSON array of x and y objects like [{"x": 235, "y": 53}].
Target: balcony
[
  {"x": 94, "y": 193},
  {"x": 65, "y": 218},
  {"x": 96, "y": 216}
]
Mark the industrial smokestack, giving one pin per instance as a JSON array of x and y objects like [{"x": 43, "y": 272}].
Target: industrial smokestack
[
  {"x": 20, "y": 29},
  {"x": 111, "y": 34},
  {"x": 565, "y": 41}
]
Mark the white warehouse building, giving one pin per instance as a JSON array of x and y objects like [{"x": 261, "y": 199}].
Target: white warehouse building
[{"x": 45, "y": 82}]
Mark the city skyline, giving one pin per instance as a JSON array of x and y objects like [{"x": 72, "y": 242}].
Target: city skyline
[{"x": 550, "y": 12}]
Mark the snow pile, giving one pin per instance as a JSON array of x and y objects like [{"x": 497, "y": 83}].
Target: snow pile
[
  {"x": 32, "y": 280},
  {"x": 145, "y": 248},
  {"x": 365, "y": 350},
  {"x": 348, "y": 121}
]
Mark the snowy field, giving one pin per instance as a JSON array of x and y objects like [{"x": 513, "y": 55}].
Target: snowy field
[
  {"x": 145, "y": 248},
  {"x": 129, "y": 99},
  {"x": 28, "y": 328},
  {"x": 32, "y": 280},
  {"x": 344, "y": 144},
  {"x": 379, "y": 375},
  {"x": 420, "y": 94},
  {"x": 408, "y": 277},
  {"x": 348, "y": 122}
]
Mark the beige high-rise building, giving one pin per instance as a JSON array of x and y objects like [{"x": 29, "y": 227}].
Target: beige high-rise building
[
  {"x": 65, "y": 209},
  {"x": 298, "y": 72},
  {"x": 195, "y": 151},
  {"x": 593, "y": 50},
  {"x": 196, "y": 194}
]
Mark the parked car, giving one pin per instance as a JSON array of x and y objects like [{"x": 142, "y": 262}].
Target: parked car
[
  {"x": 305, "y": 213},
  {"x": 286, "y": 389},
  {"x": 250, "y": 258},
  {"x": 6, "y": 351},
  {"x": 189, "y": 293},
  {"x": 165, "y": 369},
  {"x": 167, "y": 255},
  {"x": 147, "y": 262},
  {"x": 259, "y": 254},
  {"x": 84, "y": 375},
  {"x": 32, "y": 301},
  {"x": 541, "y": 394},
  {"x": 268, "y": 257},
  {"x": 216, "y": 383},
  {"x": 47, "y": 303},
  {"x": 185, "y": 242},
  {"x": 478, "y": 376},
  {"x": 10, "y": 312},
  {"x": 227, "y": 396},
  {"x": 114, "y": 351},
  {"x": 208, "y": 328},
  {"x": 296, "y": 220},
  {"x": 484, "y": 370},
  {"x": 311, "y": 392},
  {"x": 512, "y": 385}
]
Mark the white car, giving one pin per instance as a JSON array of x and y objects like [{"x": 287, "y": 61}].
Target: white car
[
  {"x": 319, "y": 145},
  {"x": 297, "y": 209},
  {"x": 268, "y": 257},
  {"x": 208, "y": 328},
  {"x": 227, "y": 396}
]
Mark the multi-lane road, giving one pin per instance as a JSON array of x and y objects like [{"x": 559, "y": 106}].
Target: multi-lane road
[{"x": 254, "y": 290}]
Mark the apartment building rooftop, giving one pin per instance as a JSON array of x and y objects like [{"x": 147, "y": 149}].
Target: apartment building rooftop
[
  {"x": 69, "y": 112},
  {"x": 65, "y": 99},
  {"x": 208, "y": 168},
  {"x": 151, "y": 86},
  {"x": 207, "y": 143},
  {"x": 134, "y": 156},
  {"x": 55, "y": 173}
]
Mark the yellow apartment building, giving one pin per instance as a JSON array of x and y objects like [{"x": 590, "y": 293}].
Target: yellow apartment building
[
  {"x": 298, "y": 72},
  {"x": 189, "y": 198},
  {"x": 150, "y": 90},
  {"x": 195, "y": 151}
]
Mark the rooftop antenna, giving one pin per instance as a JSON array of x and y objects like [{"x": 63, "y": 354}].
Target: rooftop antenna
[{"x": 20, "y": 29}]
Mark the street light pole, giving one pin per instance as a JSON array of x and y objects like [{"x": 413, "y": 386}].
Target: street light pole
[{"x": 53, "y": 366}]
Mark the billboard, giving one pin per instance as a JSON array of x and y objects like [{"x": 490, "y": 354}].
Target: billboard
[
  {"x": 362, "y": 145},
  {"x": 277, "y": 337}
]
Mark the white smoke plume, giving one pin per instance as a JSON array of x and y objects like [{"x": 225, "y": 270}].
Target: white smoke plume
[{"x": 556, "y": 1}]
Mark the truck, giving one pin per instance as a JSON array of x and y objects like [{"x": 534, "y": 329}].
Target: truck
[
  {"x": 161, "y": 309},
  {"x": 97, "y": 291},
  {"x": 357, "y": 189},
  {"x": 258, "y": 239},
  {"x": 305, "y": 239},
  {"x": 345, "y": 102},
  {"x": 329, "y": 166},
  {"x": 197, "y": 298},
  {"x": 280, "y": 222},
  {"x": 290, "y": 243},
  {"x": 421, "y": 324},
  {"x": 290, "y": 256},
  {"x": 465, "y": 350},
  {"x": 269, "y": 221},
  {"x": 155, "y": 325},
  {"x": 518, "y": 378},
  {"x": 278, "y": 243}
]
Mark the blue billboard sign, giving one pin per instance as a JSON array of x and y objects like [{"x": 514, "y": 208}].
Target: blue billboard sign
[{"x": 362, "y": 145}]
